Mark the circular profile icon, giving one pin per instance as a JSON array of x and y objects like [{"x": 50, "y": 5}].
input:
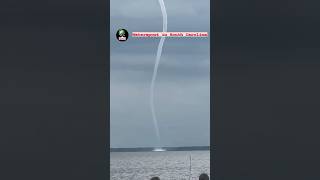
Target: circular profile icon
[{"x": 122, "y": 35}]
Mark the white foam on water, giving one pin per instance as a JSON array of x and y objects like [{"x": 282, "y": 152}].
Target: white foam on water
[{"x": 159, "y": 150}]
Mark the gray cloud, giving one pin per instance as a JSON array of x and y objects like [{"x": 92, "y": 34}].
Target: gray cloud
[
  {"x": 150, "y": 9},
  {"x": 182, "y": 95}
]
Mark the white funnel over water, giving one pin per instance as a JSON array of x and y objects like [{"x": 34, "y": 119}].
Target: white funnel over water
[{"x": 155, "y": 71}]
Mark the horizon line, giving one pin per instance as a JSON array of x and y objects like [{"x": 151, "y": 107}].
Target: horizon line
[{"x": 161, "y": 147}]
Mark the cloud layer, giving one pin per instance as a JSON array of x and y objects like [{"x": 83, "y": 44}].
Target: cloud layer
[{"x": 182, "y": 95}]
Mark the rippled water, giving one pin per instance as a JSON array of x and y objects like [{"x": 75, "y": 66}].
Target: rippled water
[{"x": 169, "y": 165}]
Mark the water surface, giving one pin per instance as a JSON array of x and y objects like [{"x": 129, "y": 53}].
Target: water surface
[{"x": 168, "y": 165}]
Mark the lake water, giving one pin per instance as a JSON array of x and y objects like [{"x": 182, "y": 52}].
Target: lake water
[{"x": 168, "y": 165}]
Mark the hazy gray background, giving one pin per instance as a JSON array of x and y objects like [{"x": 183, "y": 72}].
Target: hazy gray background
[{"x": 182, "y": 90}]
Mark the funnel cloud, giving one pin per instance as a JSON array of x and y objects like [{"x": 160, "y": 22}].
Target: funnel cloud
[{"x": 155, "y": 70}]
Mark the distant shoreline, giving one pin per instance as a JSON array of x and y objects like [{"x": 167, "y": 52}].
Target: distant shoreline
[{"x": 148, "y": 149}]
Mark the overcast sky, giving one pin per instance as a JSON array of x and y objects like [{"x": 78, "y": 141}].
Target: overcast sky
[{"x": 182, "y": 90}]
